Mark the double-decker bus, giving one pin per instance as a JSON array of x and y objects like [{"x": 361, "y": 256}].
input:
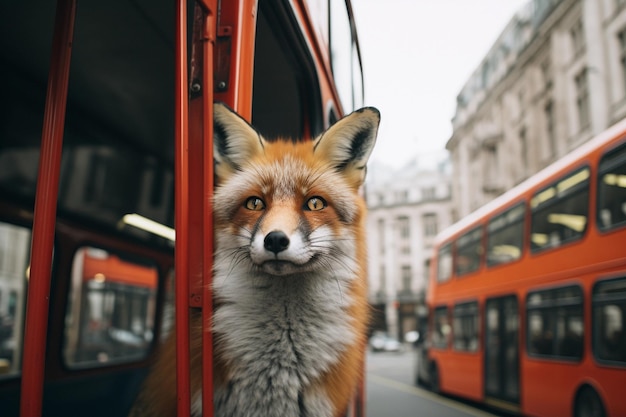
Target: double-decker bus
[
  {"x": 527, "y": 295},
  {"x": 106, "y": 176}
]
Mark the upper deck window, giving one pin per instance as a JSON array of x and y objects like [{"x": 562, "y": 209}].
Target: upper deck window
[
  {"x": 505, "y": 236},
  {"x": 612, "y": 189},
  {"x": 444, "y": 263},
  {"x": 560, "y": 212},
  {"x": 469, "y": 252}
]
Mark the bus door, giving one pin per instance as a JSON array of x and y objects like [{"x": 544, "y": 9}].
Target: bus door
[{"x": 502, "y": 351}]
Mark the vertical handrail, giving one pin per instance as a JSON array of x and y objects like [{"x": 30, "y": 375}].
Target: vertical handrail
[
  {"x": 210, "y": 33},
  {"x": 181, "y": 205},
  {"x": 33, "y": 367}
]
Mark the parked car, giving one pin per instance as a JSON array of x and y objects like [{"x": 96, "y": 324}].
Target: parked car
[{"x": 381, "y": 342}]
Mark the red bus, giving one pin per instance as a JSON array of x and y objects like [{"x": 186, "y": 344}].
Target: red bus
[
  {"x": 527, "y": 295},
  {"x": 106, "y": 175}
]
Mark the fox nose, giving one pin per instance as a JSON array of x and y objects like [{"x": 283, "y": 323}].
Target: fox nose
[{"x": 276, "y": 241}]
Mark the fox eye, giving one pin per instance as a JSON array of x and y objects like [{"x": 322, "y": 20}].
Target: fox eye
[
  {"x": 254, "y": 203},
  {"x": 315, "y": 204}
]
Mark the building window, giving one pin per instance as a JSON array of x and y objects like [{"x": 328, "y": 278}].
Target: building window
[
  {"x": 430, "y": 224},
  {"x": 381, "y": 236},
  {"x": 383, "y": 280},
  {"x": 404, "y": 227},
  {"x": 582, "y": 99},
  {"x": 621, "y": 37},
  {"x": 578, "y": 38},
  {"x": 548, "y": 112},
  {"x": 428, "y": 193},
  {"x": 523, "y": 144},
  {"x": 402, "y": 196},
  {"x": 406, "y": 278},
  {"x": 546, "y": 73}
]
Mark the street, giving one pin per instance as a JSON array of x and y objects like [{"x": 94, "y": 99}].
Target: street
[{"x": 392, "y": 393}]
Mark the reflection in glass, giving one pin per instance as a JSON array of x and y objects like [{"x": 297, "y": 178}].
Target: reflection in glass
[{"x": 110, "y": 317}]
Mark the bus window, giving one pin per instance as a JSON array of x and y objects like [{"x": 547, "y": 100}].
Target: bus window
[
  {"x": 341, "y": 51},
  {"x": 444, "y": 263},
  {"x": 285, "y": 88},
  {"x": 560, "y": 212},
  {"x": 345, "y": 57},
  {"x": 110, "y": 317},
  {"x": 14, "y": 264},
  {"x": 609, "y": 316},
  {"x": 441, "y": 327},
  {"x": 555, "y": 323},
  {"x": 612, "y": 189},
  {"x": 469, "y": 252},
  {"x": 505, "y": 236},
  {"x": 465, "y": 327}
]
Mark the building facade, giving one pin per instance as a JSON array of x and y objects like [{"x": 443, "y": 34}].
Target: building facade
[
  {"x": 407, "y": 209},
  {"x": 555, "y": 77}
]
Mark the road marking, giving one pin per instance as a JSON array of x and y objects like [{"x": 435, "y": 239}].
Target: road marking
[{"x": 409, "y": 389}]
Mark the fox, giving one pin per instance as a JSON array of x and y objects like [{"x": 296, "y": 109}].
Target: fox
[{"x": 289, "y": 275}]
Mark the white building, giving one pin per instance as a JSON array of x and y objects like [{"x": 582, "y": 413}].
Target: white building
[
  {"x": 555, "y": 77},
  {"x": 407, "y": 208}
]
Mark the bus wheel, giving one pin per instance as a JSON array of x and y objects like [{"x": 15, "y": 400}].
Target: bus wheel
[
  {"x": 434, "y": 378},
  {"x": 588, "y": 404}
]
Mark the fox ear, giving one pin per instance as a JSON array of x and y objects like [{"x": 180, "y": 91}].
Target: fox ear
[
  {"x": 235, "y": 142},
  {"x": 347, "y": 144}
]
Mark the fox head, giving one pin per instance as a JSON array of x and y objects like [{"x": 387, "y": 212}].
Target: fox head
[{"x": 283, "y": 207}]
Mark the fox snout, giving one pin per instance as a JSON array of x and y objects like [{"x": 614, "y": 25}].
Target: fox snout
[{"x": 276, "y": 241}]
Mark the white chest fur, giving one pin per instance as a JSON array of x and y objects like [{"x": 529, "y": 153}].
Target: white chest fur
[{"x": 278, "y": 335}]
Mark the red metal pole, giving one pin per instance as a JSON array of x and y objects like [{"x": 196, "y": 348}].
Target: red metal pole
[
  {"x": 33, "y": 367},
  {"x": 210, "y": 32},
  {"x": 181, "y": 213}
]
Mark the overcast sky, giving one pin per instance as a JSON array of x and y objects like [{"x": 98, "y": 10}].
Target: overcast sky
[{"x": 417, "y": 55}]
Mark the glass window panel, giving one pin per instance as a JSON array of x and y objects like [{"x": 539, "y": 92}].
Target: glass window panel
[
  {"x": 465, "y": 327},
  {"x": 441, "y": 326},
  {"x": 560, "y": 212},
  {"x": 110, "y": 316},
  {"x": 609, "y": 316},
  {"x": 612, "y": 189},
  {"x": 469, "y": 252},
  {"x": 555, "y": 323},
  {"x": 341, "y": 52},
  {"x": 444, "y": 263},
  {"x": 505, "y": 236},
  {"x": 14, "y": 267}
]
